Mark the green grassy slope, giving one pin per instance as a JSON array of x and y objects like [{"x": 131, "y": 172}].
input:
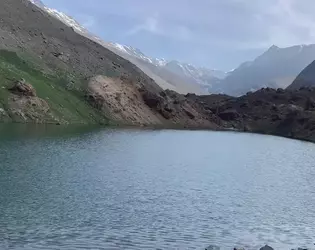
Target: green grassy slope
[{"x": 63, "y": 92}]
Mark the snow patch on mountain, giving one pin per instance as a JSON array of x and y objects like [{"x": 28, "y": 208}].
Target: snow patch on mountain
[
  {"x": 66, "y": 19},
  {"x": 61, "y": 16},
  {"x": 199, "y": 74},
  {"x": 196, "y": 75}
]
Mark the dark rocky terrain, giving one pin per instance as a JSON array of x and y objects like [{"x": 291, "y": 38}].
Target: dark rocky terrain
[{"x": 279, "y": 112}]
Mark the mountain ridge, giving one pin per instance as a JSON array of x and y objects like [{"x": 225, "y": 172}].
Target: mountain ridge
[
  {"x": 183, "y": 79},
  {"x": 275, "y": 68}
]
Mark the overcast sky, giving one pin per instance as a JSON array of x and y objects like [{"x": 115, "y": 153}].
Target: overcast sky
[{"x": 212, "y": 33}]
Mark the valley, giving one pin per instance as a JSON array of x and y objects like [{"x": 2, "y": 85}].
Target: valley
[{"x": 81, "y": 81}]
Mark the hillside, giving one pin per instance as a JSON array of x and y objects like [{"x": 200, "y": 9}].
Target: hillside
[
  {"x": 68, "y": 78},
  {"x": 183, "y": 78},
  {"x": 305, "y": 79},
  {"x": 276, "y": 68},
  {"x": 56, "y": 60}
]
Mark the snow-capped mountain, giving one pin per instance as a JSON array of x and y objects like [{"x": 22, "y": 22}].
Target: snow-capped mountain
[
  {"x": 61, "y": 16},
  {"x": 137, "y": 53},
  {"x": 196, "y": 75},
  {"x": 39, "y": 3}
]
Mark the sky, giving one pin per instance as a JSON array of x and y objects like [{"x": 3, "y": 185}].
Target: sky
[{"x": 218, "y": 34}]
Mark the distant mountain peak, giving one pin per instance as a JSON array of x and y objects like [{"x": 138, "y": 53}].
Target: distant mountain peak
[
  {"x": 274, "y": 47},
  {"x": 275, "y": 68},
  {"x": 39, "y": 3}
]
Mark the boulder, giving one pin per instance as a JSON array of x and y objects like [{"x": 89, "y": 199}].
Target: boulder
[
  {"x": 95, "y": 99},
  {"x": 23, "y": 89},
  {"x": 310, "y": 104},
  {"x": 189, "y": 114},
  {"x": 266, "y": 248}
]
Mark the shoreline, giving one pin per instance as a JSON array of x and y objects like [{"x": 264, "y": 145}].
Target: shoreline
[{"x": 89, "y": 127}]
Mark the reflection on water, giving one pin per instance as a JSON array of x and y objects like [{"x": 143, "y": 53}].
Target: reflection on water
[
  {"x": 90, "y": 188},
  {"x": 18, "y": 131}
]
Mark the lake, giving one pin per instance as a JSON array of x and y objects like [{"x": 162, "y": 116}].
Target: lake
[{"x": 64, "y": 188}]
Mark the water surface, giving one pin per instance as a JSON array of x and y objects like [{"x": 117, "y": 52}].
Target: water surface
[{"x": 133, "y": 189}]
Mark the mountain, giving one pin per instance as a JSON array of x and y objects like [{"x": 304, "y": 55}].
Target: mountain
[
  {"x": 305, "y": 79},
  {"x": 163, "y": 77},
  {"x": 62, "y": 17},
  {"x": 276, "y": 68},
  {"x": 174, "y": 75},
  {"x": 45, "y": 67},
  {"x": 50, "y": 73}
]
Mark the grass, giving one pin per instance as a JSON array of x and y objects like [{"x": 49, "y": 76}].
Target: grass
[{"x": 61, "y": 91}]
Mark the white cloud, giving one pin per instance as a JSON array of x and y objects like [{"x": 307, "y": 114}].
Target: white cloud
[
  {"x": 150, "y": 24},
  {"x": 88, "y": 21},
  {"x": 218, "y": 32},
  {"x": 155, "y": 25}
]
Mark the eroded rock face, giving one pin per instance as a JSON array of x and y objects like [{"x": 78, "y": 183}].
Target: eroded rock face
[
  {"x": 22, "y": 88},
  {"x": 130, "y": 102},
  {"x": 121, "y": 101}
]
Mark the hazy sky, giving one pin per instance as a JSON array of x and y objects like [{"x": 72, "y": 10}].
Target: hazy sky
[{"x": 213, "y": 33}]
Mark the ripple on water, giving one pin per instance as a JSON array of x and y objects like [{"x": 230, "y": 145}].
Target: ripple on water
[{"x": 114, "y": 189}]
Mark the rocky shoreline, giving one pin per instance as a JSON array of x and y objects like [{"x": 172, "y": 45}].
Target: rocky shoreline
[{"x": 286, "y": 113}]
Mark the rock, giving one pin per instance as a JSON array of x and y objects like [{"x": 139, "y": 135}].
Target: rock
[
  {"x": 168, "y": 108},
  {"x": 266, "y": 248},
  {"x": 22, "y": 88},
  {"x": 275, "y": 117},
  {"x": 229, "y": 115},
  {"x": 190, "y": 114},
  {"x": 280, "y": 91},
  {"x": 310, "y": 104},
  {"x": 151, "y": 99},
  {"x": 212, "y": 247},
  {"x": 244, "y": 105},
  {"x": 57, "y": 54},
  {"x": 96, "y": 100},
  {"x": 166, "y": 114}
]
